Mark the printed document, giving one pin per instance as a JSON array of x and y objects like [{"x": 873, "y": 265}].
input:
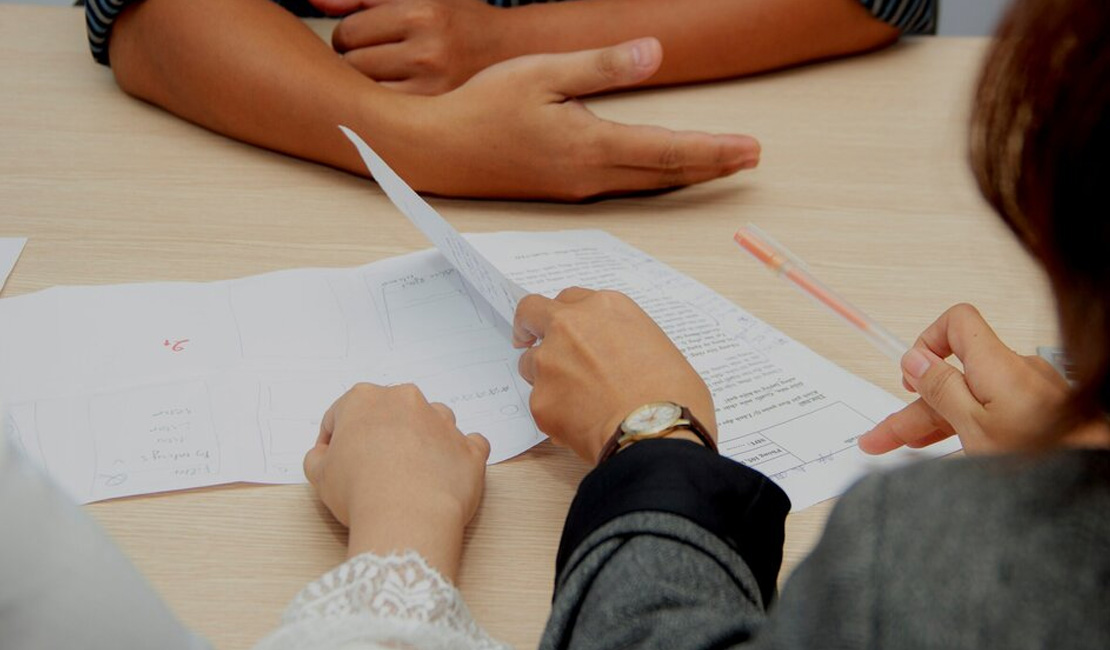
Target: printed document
[{"x": 131, "y": 389}]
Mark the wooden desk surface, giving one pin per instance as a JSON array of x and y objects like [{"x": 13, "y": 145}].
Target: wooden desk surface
[{"x": 864, "y": 175}]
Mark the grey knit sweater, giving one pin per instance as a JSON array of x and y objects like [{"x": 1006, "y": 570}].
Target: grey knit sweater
[{"x": 974, "y": 553}]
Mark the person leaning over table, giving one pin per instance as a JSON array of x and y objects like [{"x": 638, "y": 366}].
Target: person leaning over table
[
  {"x": 667, "y": 544},
  {"x": 251, "y": 70},
  {"x": 248, "y": 69}
]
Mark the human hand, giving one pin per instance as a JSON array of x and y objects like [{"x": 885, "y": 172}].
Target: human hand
[
  {"x": 395, "y": 470},
  {"x": 1001, "y": 402},
  {"x": 426, "y": 47},
  {"x": 513, "y": 131},
  {"x": 600, "y": 357}
]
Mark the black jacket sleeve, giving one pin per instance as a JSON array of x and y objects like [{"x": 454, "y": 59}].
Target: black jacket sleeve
[{"x": 667, "y": 545}]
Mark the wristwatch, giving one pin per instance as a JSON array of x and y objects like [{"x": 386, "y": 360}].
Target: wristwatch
[{"x": 655, "y": 420}]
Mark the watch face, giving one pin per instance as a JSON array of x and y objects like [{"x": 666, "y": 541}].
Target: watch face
[{"x": 651, "y": 418}]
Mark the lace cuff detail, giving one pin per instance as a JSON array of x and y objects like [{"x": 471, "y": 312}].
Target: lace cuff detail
[{"x": 396, "y": 601}]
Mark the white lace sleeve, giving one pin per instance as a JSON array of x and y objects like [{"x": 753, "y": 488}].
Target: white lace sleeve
[{"x": 397, "y": 602}]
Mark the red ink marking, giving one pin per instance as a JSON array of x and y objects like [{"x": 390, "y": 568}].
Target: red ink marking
[{"x": 176, "y": 346}]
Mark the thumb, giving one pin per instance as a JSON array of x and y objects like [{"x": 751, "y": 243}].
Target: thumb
[
  {"x": 943, "y": 388},
  {"x": 314, "y": 464},
  {"x": 592, "y": 71}
]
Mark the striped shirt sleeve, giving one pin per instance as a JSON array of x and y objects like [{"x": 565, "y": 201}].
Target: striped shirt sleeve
[
  {"x": 909, "y": 16},
  {"x": 99, "y": 16}
]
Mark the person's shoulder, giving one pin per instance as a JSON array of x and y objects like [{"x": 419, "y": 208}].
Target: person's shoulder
[
  {"x": 986, "y": 502},
  {"x": 980, "y": 497},
  {"x": 1067, "y": 478},
  {"x": 1012, "y": 477},
  {"x": 1023, "y": 541}
]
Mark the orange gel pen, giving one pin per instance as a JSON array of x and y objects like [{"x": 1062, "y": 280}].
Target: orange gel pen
[{"x": 780, "y": 260}]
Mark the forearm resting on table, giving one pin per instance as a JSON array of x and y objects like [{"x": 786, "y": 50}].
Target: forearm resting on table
[
  {"x": 249, "y": 70},
  {"x": 702, "y": 39}
]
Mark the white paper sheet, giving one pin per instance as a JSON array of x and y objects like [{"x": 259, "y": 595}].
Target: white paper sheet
[
  {"x": 500, "y": 292},
  {"x": 781, "y": 408},
  {"x": 129, "y": 389},
  {"x": 246, "y": 366},
  {"x": 10, "y": 250}
]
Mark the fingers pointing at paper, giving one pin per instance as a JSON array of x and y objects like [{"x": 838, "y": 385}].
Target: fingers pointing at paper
[
  {"x": 1001, "y": 401},
  {"x": 601, "y": 356}
]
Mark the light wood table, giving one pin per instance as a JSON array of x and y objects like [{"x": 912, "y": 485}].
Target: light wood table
[{"x": 864, "y": 175}]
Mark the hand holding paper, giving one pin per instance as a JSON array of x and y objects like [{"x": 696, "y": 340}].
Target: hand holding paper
[{"x": 641, "y": 365}]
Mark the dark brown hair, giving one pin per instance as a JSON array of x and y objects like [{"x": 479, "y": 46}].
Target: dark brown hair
[{"x": 1040, "y": 148}]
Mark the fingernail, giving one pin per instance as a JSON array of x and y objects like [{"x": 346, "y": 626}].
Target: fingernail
[
  {"x": 915, "y": 363},
  {"x": 641, "y": 54},
  {"x": 864, "y": 444},
  {"x": 745, "y": 151}
]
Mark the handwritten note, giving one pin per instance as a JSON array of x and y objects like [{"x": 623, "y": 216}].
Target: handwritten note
[
  {"x": 502, "y": 293},
  {"x": 152, "y": 438}
]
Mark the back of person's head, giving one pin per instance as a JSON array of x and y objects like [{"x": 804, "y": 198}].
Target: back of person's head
[{"x": 1040, "y": 147}]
